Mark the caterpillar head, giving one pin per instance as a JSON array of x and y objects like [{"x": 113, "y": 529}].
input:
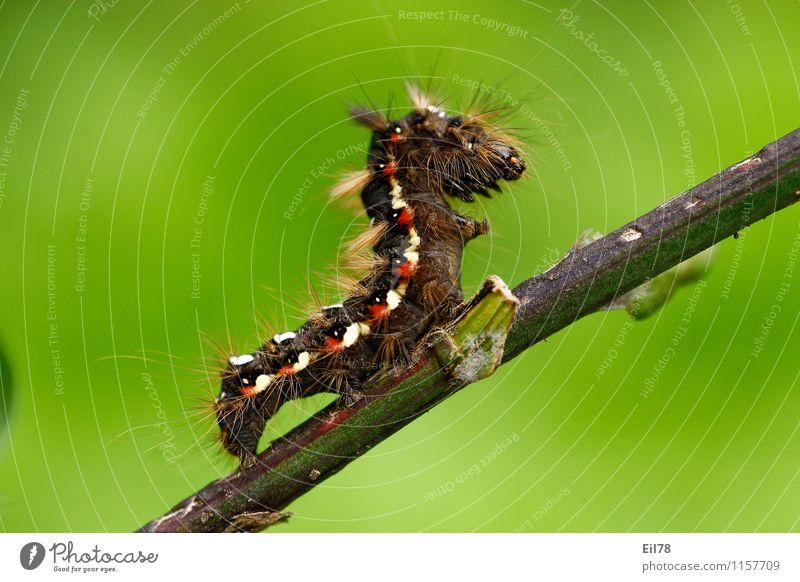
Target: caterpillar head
[{"x": 433, "y": 151}]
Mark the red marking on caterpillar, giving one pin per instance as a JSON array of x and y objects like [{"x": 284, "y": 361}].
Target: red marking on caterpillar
[
  {"x": 248, "y": 391},
  {"x": 334, "y": 344},
  {"x": 413, "y": 278},
  {"x": 390, "y": 168},
  {"x": 405, "y": 270},
  {"x": 405, "y": 217},
  {"x": 378, "y": 312}
]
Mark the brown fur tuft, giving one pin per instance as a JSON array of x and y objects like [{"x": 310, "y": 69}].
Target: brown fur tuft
[{"x": 351, "y": 184}]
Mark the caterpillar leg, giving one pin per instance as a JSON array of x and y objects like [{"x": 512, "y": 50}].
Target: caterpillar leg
[
  {"x": 469, "y": 227},
  {"x": 353, "y": 393},
  {"x": 241, "y": 426}
]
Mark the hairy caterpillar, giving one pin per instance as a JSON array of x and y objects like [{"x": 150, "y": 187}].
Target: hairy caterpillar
[{"x": 413, "y": 275}]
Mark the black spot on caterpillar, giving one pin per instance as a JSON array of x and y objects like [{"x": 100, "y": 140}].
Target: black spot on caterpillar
[{"x": 416, "y": 242}]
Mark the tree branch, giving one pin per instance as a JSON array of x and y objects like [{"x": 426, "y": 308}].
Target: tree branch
[{"x": 586, "y": 279}]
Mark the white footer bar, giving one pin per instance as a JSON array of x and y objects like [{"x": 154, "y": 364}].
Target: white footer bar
[{"x": 401, "y": 557}]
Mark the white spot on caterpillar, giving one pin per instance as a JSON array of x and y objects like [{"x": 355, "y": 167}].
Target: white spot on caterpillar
[
  {"x": 334, "y": 306},
  {"x": 397, "y": 195},
  {"x": 351, "y": 334},
  {"x": 364, "y": 328},
  {"x": 436, "y": 111},
  {"x": 631, "y": 234},
  {"x": 393, "y": 299},
  {"x": 412, "y": 256},
  {"x": 262, "y": 382},
  {"x": 414, "y": 240},
  {"x": 279, "y": 338},
  {"x": 303, "y": 359},
  {"x": 241, "y": 360}
]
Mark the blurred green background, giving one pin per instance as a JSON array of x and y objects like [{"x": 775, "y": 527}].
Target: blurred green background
[{"x": 163, "y": 184}]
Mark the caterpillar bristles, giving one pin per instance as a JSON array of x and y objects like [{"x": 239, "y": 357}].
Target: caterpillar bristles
[
  {"x": 418, "y": 99},
  {"x": 336, "y": 379},
  {"x": 366, "y": 116},
  {"x": 367, "y": 239},
  {"x": 440, "y": 230},
  {"x": 318, "y": 318},
  {"x": 345, "y": 283},
  {"x": 433, "y": 296},
  {"x": 317, "y": 291},
  {"x": 265, "y": 329},
  {"x": 408, "y": 266},
  {"x": 393, "y": 350},
  {"x": 350, "y": 184},
  {"x": 370, "y": 263},
  {"x": 289, "y": 388},
  {"x": 314, "y": 301}
]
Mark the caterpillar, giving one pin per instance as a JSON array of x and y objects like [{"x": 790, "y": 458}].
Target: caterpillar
[{"x": 415, "y": 243}]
